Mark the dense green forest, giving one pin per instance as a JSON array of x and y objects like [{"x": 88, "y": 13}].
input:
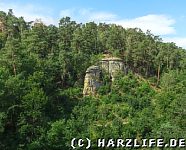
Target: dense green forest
[{"x": 42, "y": 70}]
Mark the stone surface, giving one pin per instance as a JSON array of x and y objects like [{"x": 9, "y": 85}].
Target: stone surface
[
  {"x": 92, "y": 80},
  {"x": 93, "y": 74},
  {"x": 1, "y": 26},
  {"x": 112, "y": 65}
]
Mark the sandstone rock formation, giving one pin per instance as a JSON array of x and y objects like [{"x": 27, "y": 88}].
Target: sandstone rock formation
[
  {"x": 1, "y": 26},
  {"x": 92, "y": 81},
  {"x": 112, "y": 65}
]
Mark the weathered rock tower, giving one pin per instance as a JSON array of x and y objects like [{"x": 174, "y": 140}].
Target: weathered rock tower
[
  {"x": 112, "y": 65},
  {"x": 92, "y": 80},
  {"x": 93, "y": 74}
]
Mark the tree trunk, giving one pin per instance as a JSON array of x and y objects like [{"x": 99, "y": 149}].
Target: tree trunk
[
  {"x": 158, "y": 75},
  {"x": 13, "y": 64}
]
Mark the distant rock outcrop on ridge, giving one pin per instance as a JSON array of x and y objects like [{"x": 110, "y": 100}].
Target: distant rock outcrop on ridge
[{"x": 92, "y": 81}]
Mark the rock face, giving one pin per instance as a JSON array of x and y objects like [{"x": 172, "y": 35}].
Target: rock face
[
  {"x": 1, "y": 26},
  {"x": 93, "y": 74},
  {"x": 92, "y": 80},
  {"x": 112, "y": 65}
]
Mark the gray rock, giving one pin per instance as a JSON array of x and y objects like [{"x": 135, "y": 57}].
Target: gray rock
[
  {"x": 92, "y": 80},
  {"x": 112, "y": 65},
  {"x": 93, "y": 74}
]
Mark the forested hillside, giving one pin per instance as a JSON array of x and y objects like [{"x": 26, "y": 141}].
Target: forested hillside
[{"x": 42, "y": 70}]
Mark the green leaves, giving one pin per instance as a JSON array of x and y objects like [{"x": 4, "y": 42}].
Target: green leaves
[
  {"x": 34, "y": 100},
  {"x": 57, "y": 135},
  {"x": 42, "y": 70},
  {"x": 2, "y": 121}
]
